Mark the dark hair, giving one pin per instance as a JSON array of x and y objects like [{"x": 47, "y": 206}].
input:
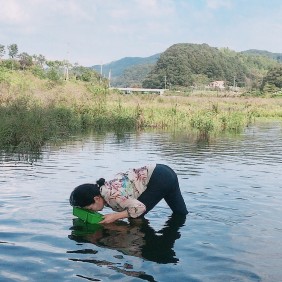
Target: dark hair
[{"x": 83, "y": 194}]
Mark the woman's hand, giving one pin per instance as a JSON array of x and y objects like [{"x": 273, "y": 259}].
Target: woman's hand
[{"x": 112, "y": 217}]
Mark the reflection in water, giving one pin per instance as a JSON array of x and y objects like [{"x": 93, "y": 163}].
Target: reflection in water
[
  {"x": 28, "y": 157},
  {"x": 136, "y": 238}
]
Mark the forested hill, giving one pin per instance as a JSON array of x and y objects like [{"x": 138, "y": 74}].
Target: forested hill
[
  {"x": 274, "y": 56},
  {"x": 118, "y": 67},
  {"x": 187, "y": 64}
]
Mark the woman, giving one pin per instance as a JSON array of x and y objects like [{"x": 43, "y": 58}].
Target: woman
[{"x": 131, "y": 194}]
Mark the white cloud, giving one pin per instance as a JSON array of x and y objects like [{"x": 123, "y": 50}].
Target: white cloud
[
  {"x": 12, "y": 12},
  {"x": 29, "y": 11},
  {"x": 72, "y": 9},
  {"x": 105, "y": 30},
  {"x": 216, "y": 4},
  {"x": 155, "y": 8}
]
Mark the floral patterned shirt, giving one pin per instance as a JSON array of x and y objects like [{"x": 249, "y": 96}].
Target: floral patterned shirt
[{"x": 122, "y": 192}]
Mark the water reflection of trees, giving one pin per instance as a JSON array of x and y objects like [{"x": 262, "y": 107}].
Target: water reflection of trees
[
  {"x": 169, "y": 143},
  {"x": 136, "y": 238},
  {"x": 25, "y": 156}
]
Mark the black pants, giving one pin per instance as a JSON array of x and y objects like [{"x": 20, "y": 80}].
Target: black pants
[{"x": 163, "y": 184}]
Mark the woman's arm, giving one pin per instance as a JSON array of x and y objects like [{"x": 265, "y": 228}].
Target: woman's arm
[
  {"x": 115, "y": 194},
  {"x": 111, "y": 217}
]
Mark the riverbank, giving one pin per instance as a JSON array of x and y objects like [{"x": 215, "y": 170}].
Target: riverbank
[{"x": 33, "y": 111}]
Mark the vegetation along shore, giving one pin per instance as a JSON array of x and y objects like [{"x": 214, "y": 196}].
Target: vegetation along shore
[{"x": 38, "y": 103}]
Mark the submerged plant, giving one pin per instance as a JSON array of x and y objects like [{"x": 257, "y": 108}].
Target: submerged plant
[{"x": 203, "y": 123}]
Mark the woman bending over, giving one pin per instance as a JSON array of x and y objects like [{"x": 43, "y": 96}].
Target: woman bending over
[{"x": 131, "y": 194}]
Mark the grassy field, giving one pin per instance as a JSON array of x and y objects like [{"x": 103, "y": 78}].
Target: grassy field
[{"x": 33, "y": 111}]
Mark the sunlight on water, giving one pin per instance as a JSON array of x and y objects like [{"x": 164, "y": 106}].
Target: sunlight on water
[{"x": 232, "y": 186}]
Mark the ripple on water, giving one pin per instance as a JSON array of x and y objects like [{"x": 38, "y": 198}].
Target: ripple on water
[{"x": 232, "y": 186}]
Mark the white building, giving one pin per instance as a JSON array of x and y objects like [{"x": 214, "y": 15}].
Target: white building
[{"x": 217, "y": 84}]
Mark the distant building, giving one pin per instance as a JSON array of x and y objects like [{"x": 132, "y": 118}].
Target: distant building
[{"x": 217, "y": 84}]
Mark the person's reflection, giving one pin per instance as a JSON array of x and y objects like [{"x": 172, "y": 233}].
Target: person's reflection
[{"x": 136, "y": 238}]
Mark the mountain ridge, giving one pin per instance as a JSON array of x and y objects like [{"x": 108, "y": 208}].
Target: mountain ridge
[
  {"x": 119, "y": 66},
  {"x": 133, "y": 71}
]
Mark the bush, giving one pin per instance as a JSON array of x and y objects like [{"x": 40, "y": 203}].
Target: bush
[
  {"x": 53, "y": 74},
  {"x": 203, "y": 122},
  {"x": 11, "y": 64},
  {"x": 39, "y": 72}
]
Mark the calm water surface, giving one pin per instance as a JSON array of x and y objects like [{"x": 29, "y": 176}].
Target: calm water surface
[{"x": 232, "y": 187}]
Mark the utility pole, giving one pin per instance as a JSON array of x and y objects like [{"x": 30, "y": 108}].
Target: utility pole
[
  {"x": 66, "y": 71},
  {"x": 110, "y": 78},
  {"x": 165, "y": 81},
  {"x": 101, "y": 72},
  {"x": 67, "y": 62}
]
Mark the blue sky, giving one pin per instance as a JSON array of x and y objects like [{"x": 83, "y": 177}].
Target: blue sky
[{"x": 100, "y": 31}]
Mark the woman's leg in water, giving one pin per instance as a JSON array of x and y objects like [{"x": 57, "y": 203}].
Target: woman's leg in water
[{"x": 163, "y": 185}]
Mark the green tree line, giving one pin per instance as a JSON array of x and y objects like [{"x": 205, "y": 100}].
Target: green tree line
[
  {"x": 43, "y": 68},
  {"x": 181, "y": 65}
]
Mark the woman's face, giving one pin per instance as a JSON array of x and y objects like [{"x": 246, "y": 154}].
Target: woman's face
[{"x": 98, "y": 205}]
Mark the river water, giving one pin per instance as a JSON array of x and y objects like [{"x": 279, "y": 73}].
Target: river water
[{"x": 232, "y": 186}]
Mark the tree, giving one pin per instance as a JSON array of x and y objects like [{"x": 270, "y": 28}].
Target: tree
[
  {"x": 54, "y": 64},
  {"x": 273, "y": 80},
  {"x": 10, "y": 64},
  {"x": 25, "y": 60},
  {"x": 132, "y": 76},
  {"x": 85, "y": 74},
  {"x": 200, "y": 80},
  {"x": 39, "y": 60},
  {"x": 54, "y": 72},
  {"x": 2, "y": 51},
  {"x": 13, "y": 50},
  {"x": 39, "y": 72},
  {"x": 53, "y": 75}
]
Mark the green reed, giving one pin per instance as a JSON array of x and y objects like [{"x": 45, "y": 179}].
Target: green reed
[
  {"x": 31, "y": 113},
  {"x": 28, "y": 125}
]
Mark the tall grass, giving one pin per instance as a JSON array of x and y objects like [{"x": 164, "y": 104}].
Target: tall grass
[
  {"x": 31, "y": 113},
  {"x": 28, "y": 125}
]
